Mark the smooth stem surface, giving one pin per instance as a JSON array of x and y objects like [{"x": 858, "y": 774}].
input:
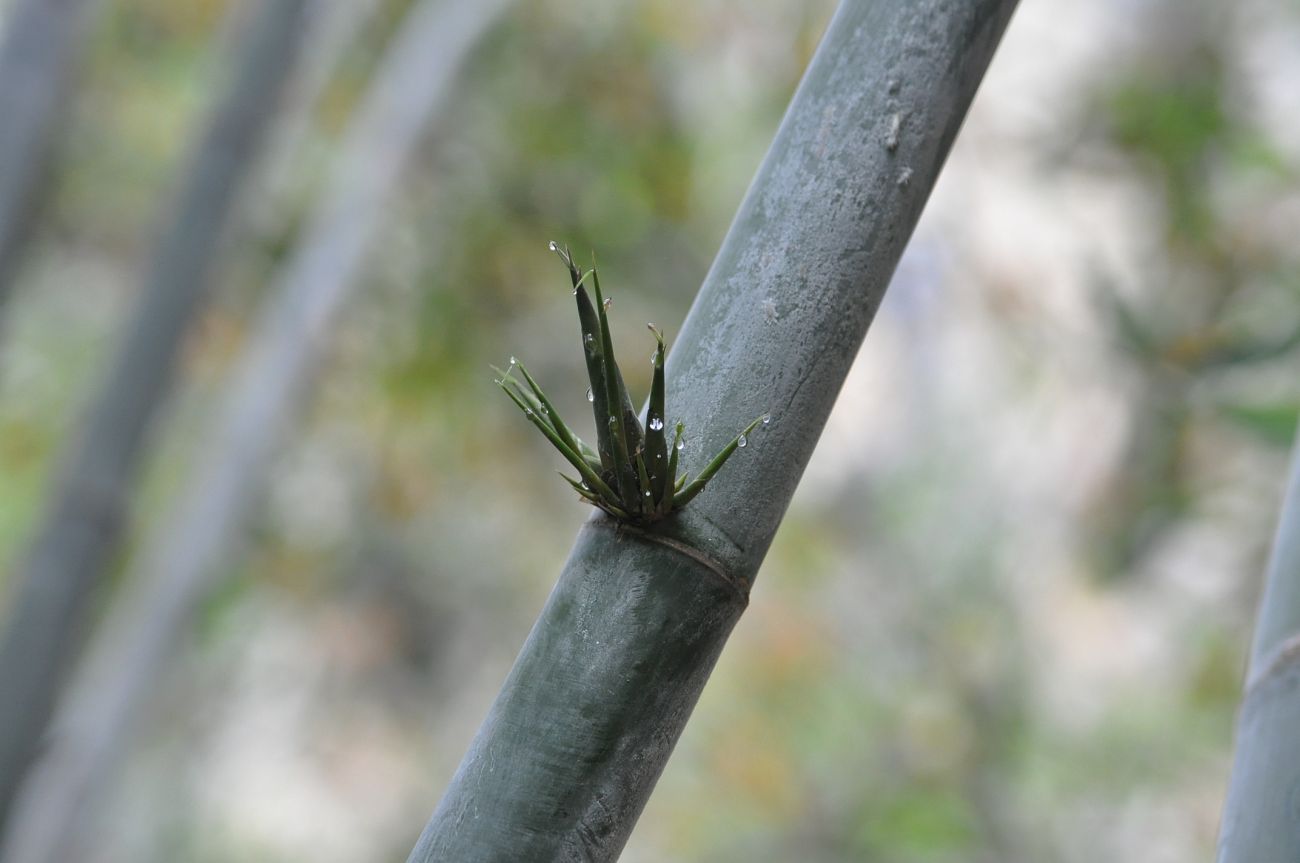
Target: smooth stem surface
[
  {"x": 79, "y": 534},
  {"x": 40, "y": 51},
  {"x": 183, "y": 559},
  {"x": 1261, "y": 818},
  {"x": 602, "y": 689}
]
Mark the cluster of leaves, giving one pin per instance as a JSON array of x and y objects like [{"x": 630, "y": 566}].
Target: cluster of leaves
[{"x": 632, "y": 473}]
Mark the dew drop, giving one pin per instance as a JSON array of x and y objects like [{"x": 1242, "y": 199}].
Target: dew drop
[
  {"x": 552, "y": 246},
  {"x": 528, "y": 411},
  {"x": 656, "y": 424},
  {"x": 608, "y": 302},
  {"x": 613, "y": 420},
  {"x": 681, "y": 445},
  {"x": 590, "y": 397},
  {"x": 497, "y": 381},
  {"x": 588, "y": 340},
  {"x": 585, "y": 486},
  {"x": 741, "y": 441},
  {"x": 895, "y": 127},
  {"x": 514, "y": 362},
  {"x": 647, "y": 495},
  {"x": 767, "y": 418}
]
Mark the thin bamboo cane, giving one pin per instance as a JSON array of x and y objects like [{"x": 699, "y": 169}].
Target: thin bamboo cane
[
  {"x": 1261, "y": 818},
  {"x": 182, "y": 560},
  {"x": 584, "y": 724},
  {"x": 76, "y": 540},
  {"x": 40, "y": 49}
]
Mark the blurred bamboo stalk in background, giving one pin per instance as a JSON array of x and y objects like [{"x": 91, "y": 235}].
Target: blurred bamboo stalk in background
[
  {"x": 76, "y": 540},
  {"x": 336, "y": 26},
  {"x": 1261, "y": 817},
  {"x": 41, "y": 42},
  {"x": 182, "y": 561},
  {"x": 587, "y": 718}
]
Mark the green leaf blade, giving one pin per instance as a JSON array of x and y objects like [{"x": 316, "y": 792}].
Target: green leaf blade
[
  {"x": 593, "y": 353},
  {"x": 625, "y": 474},
  {"x": 656, "y": 444},
  {"x": 701, "y": 480}
]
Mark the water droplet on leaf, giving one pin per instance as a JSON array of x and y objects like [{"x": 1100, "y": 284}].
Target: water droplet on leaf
[
  {"x": 588, "y": 340},
  {"x": 656, "y": 424},
  {"x": 552, "y": 246},
  {"x": 741, "y": 441},
  {"x": 590, "y": 397},
  {"x": 767, "y": 418},
  {"x": 609, "y": 301},
  {"x": 514, "y": 362},
  {"x": 681, "y": 445}
]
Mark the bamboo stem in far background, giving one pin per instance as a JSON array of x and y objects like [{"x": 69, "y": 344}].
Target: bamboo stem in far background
[
  {"x": 41, "y": 42},
  {"x": 78, "y": 536},
  {"x": 1261, "y": 817},
  {"x": 587, "y": 718},
  {"x": 182, "y": 561}
]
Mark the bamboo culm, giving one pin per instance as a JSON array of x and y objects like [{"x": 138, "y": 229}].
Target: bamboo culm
[
  {"x": 40, "y": 52},
  {"x": 76, "y": 540},
  {"x": 1262, "y": 811},
  {"x": 182, "y": 560},
  {"x": 602, "y": 688}
]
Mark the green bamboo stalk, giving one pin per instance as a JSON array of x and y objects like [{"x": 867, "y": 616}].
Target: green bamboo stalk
[
  {"x": 1261, "y": 817},
  {"x": 75, "y": 542},
  {"x": 587, "y": 718}
]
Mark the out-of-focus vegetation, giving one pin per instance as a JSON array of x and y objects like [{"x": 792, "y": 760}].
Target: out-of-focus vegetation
[{"x": 1006, "y": 616}]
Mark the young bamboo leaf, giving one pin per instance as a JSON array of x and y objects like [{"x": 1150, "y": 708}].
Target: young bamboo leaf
[
  {"x": 594, "y": 498},
  {"x": 567, "y": 257},
  {"x": 644, "y": 497},
  {"x": 697, "y": 485},
  {"x": 625, "y": 475},
  {"x": 504, "y": 379},
  {"x": 656, "y": 447},
  {"x": 673, "y": 481},
  {"x": 631, "y": 422},
  {"x": 632, "y": 473},
  {"x": 588, "y": 475},
  {"x": 579, "y": 487},
  {"x": 593, "y": 353},
  {"x": 551, "y": 413},
  {"x": 589, "y": 455}
]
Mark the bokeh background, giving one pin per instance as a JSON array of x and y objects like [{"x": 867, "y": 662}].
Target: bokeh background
[{"x": 1007, "y": 614}]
